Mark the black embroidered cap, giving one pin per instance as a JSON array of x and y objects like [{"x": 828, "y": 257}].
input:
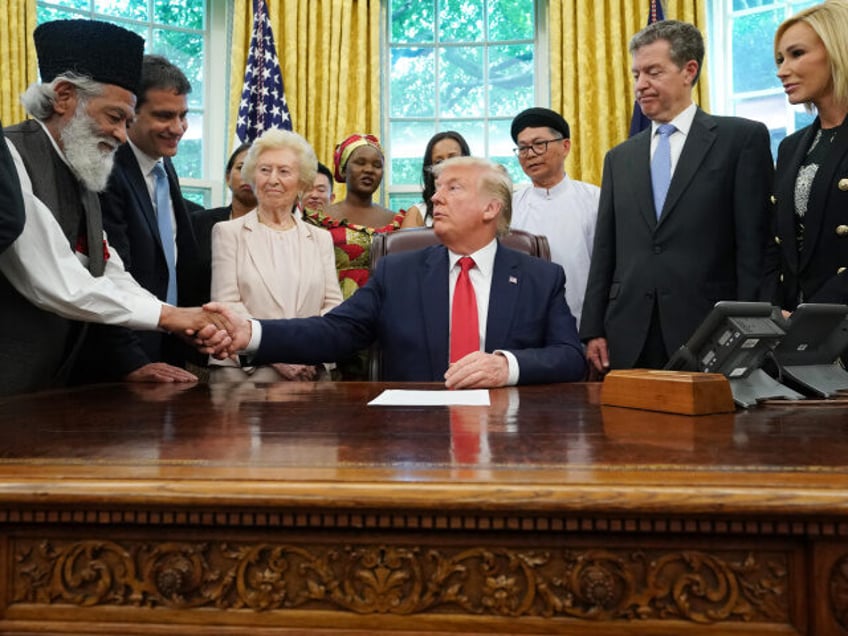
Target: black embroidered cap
[
  {"x": 104, "y": 52},
  {"x": 538, "y": 118}
]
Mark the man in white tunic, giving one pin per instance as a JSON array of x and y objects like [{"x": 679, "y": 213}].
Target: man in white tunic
[
  {"x": 554, "y": 205},
  {"x": 61, "y": 272}
]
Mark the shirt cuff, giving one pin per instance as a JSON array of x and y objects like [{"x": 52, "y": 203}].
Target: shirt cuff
[
  {"x": 255, "y": 337},
  {"x": 512, "y": 364}
]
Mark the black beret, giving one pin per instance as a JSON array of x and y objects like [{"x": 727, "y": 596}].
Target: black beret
[
  {"x": 538, "y": 118},
  {"x": 104, "y": 52}
]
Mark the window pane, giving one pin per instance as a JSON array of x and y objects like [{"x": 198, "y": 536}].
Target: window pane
[
  {"x": 461, "y": 82},
  {"x": 511, "y": 20},
  {"x": 200, "y": 196},
  {"x": 500, "y": 149},
  {"x": 409, "y": 141},
  {"x": 413, "y": 83},
  {"x": 403, "y": 201},
  {"x": 510, "y": 79},
  {"x": 412, "y": 20},
  {"x": 71, "y": 4},
  {"x": 739, "y": 5},
  {"x": 461, "y": 20},
  {"x": 122, "y": 9},
  {"x": 771, "y": 110},
  {"x": 474, "y": 133},
  {"x": 185, "y": 51},
  {"x": 48, "y": 14},
  {"x": 186, "y": 13},
  {"x": 753, "y": 53},
  {"x": 139, "y": 29},
  {"x": 189, "y": 159}
]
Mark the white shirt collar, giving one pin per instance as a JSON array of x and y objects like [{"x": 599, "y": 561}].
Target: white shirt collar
[
  {"x": 683, "y": 121},
  {"x": 484, "y": 258},
  {"x": 145, "y": 161}
]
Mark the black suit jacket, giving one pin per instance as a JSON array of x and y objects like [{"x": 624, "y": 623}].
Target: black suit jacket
[
  {"x": 404, "y": 306},
  {"x": 129, "y": 220},
  {"x": 11, "y": 202},
  {"x": 819, "y": 273},
  {"x": 203, "y": 221},
  {"x": 708, "y": 244}
]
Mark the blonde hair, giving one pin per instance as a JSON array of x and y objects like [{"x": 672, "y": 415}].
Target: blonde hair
[
  {"x": 276, "y": 139},
  {"x": 494, "y": 180},
  {"x": 829, "y": 20}
]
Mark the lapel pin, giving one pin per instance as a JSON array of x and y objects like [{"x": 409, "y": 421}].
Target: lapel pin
[{"x": 513, "y": 280}]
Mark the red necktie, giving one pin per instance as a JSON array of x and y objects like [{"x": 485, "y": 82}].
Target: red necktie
[
  {"x": 464, "y": 334},
  {"x": 465, "y": 434}
]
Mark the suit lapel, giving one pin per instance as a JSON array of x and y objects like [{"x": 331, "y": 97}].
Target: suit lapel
[
  {"x": 306, "y": 239},
  {"x": 138, "y": 187},
  {"x": 503, "y": 298},
  {"x": 261, "y": 257},
  {"x": 435, "y": 301},
  {"x": 640, "y": 165},
  {"x": 824, "y": 180},
  {"x": 786, "y": 197},
  {"x": 698, "y": 143}
]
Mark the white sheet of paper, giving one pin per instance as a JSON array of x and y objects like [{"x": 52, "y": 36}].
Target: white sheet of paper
[{"x": 403, "y": 397}]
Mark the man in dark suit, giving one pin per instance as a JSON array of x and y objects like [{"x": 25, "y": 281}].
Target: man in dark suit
[
  {"x": 158, "y": 247},
  {"x": 683, "y": 213},
  {"x": 520, "y": 329}
]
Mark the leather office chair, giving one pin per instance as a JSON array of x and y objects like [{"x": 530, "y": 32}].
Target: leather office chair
[{"x": 420, "y": 237}]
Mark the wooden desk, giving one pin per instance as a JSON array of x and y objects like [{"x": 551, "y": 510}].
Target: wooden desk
[{"x": 296, "y": 508}]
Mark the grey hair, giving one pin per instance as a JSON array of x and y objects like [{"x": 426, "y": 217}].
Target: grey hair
[{"x": 38, "y": 99}]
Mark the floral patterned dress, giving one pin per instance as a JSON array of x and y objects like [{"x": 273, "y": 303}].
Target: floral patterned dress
[{"x": 353, "y": 246}]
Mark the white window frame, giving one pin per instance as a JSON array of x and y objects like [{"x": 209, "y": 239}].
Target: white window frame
[
  {"x": 541, "y": 86},
  {"x": 723, "y": 101}
]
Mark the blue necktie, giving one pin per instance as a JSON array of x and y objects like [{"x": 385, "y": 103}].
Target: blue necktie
[
  {"x": 162, "y": 192},
  {"x": 661, "y": 167}
]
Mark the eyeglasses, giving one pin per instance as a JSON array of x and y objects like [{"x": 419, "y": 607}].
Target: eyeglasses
[{"x": 538, "y": 147}]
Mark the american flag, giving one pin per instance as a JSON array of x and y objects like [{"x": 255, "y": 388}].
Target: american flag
[
  {"x": 263, "y": 101},
  {"x": 638, "y": 121}
]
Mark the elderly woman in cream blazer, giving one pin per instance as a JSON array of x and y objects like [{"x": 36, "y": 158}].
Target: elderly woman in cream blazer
[{"x": 268, "y": 263}]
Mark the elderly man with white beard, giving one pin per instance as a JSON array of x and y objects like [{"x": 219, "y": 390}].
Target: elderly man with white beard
[{"x": 61, "y": 271}]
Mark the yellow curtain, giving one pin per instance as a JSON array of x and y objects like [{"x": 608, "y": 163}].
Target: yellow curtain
[
  {"x": 329, "y": 54},
  {"x": 590, "y": 72},
  {"x": 17, "y": 57}
]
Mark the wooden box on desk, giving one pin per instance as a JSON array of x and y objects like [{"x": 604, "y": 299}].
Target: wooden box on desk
[{"x": 668, "y": 391}]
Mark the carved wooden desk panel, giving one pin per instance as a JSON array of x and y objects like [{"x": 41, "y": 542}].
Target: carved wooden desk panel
[{"x": 298, "y": 509}]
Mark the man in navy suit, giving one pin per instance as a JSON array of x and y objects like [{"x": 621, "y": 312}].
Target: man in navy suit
[
  {"x": 131, "y": 219},
  {"x": 659, "y": 264},
  {"x": 528, "y": 335}
]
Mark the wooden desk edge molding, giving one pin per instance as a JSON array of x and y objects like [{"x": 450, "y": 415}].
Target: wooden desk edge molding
[{"x": 301, "y": 510}]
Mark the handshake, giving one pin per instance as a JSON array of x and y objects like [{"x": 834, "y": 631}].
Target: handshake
[{"x": 214, "y": 328}]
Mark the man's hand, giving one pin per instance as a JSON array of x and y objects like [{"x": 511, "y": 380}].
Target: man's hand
[
  {"x": 238, "y": 328},
  {"x": 160, "y": 372},
  {"x": 597, "y": 354},
  {"x": 478, "y": 370},
  {"x": 296, "y": 372},
  {"x": 188, "y": 321}
]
